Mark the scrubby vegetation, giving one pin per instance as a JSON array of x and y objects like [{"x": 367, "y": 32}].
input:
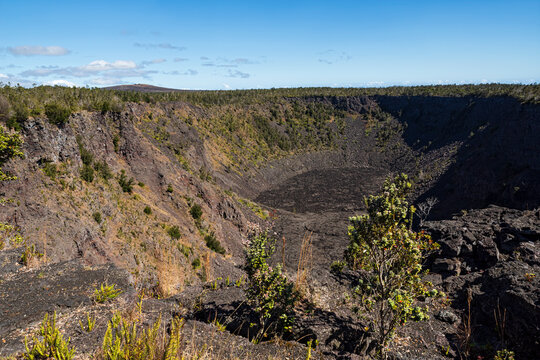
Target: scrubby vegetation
[
  {"x": 269, "y": 291},
  {"x": 52, "y": 344},
  {"x": 105, "y": 293},
  {"x": 387, "y": 256}
]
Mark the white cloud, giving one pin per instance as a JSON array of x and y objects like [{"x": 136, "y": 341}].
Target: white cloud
[
  {"x": 3, "y": 76},
  {"x": 227, "y": 86},
  {"x": 102, "y": 65},
  {"x": 60, "y": 82},
  {"x": 38, "y": 50}
]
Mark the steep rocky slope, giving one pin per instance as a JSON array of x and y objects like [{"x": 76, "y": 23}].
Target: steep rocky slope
[{"x": 247, "y": 167}]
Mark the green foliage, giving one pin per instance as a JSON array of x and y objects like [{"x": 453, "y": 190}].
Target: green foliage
[
  {"x": 125, "y": 184},
  {"x": 116, "y": 142},
  {"x": 147, "y": 210},
  {"x": 337, "y": 266},
  {"x": 196, "y": 211},
  {"x": 169, "y": 188},
  {"x": 29, "y": 254},
  {"x": 10, "y": 147},
  {"x": 103, "y": 169},
  {"x": 49, "y": 169},
  {"x": 504, "y": 354},
  {"x": 97, "y": 217},
  {"x": 87, "y": 157},
  {"x": 195, "y": 264},
  {"x": 90, "y": 323},
  {"x": 388, "y": 256},
  {"x": 57, "y": 114},
  {"x": 269, "y": 291},
  {"x": 9, "y": 235},
  {"x": 174, "y": 232},
  {"x": 127, "y": 340},
  {"x": 87, "y": 173},
  {"x": 4, "y": 108},
  {"x": 51, "y": 346},
  {"x": 105, "y": 293},
  {"x": 214, "y": 243},
  {"x": 186, "y": 250}
]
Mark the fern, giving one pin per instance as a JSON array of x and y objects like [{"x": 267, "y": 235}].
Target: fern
[{"x": 52, "y": 346}]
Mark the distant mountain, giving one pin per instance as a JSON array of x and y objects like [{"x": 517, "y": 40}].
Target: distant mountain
[{"x": 140, "y": 88}]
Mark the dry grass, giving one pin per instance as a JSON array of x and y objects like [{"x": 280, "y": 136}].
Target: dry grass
[{"x": 305, "y": 264}]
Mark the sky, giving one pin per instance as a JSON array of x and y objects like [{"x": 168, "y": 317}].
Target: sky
[{"x": 264, "y": 44}]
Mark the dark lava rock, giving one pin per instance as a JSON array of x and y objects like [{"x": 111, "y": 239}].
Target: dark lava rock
[{"x": 447, "y": 316}]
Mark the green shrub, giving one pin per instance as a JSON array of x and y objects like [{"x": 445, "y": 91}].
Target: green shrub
[
  {"x": 21, "y": 113},
  {"x": 87, "y": 157},
  {"x": 10, "y": 147},
  {"x": 87, "y": 173},
  {"x": 269, "y": 291},
  {"x": 169, "y": 188},
  {"x": 504, "y": 355},
  {"x": 147, "y": 210},
  {"x": 50, "y": 170},
  {"x": 214, "y": 243},
  {"x": 185, "y": 250},
  {"x": 97, "y": 217},
  {"x": 337, "y": 266},
  {"x": 196, "y": 263},
  {"x": 51, "y": 346},
  {"x": 105, "y": 293},
  {"x": 103, "y": 169},
  {"x": 116, "y": 142},
  {"x": 387, "y": 256},
  {"x": 141, "y": 184},
  {"x": 4, "y": 108},
  {"x": 57, "y": 114},
  {"x": 196, "y": 211},
  {"x": 174, "y": 232},
  {"x": 29, "y": 254},
  {"x": 125, "y": 184}
]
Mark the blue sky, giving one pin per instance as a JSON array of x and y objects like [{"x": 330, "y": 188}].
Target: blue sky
[{"x": 264, "y": 44}]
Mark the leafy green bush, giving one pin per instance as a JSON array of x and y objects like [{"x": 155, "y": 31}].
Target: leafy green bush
[
  {"x": 10, "y": 147},
  {"x": 214, "y": 243},
  {"x": 174, "y": 232},
  {"x": 147, "y": 210},
  {"x": 49, "y": 169},
  {"x": 387, "y": 256},
  {"x": 169, "y": 188},
  {"x": 125, "y": 184},
  {"x": 87, "y": 173},
  {"x": 51, "y": 346},
  {"x": 269, "y": 291},
  {"x": 4, "y": 108},
  {"x": 105, "y": 293},
  {"x": 87, "y": 157},
  {"x": 103, "y": 169},
  {"x": 504, "y": 355},
  {"x": 97, "y": 217},
  {"x": 116, "y": 142},
  {"x": 196, "y": 211},
  {"x": 195, "y": 264},
  {"x": 57, "y": 114}
]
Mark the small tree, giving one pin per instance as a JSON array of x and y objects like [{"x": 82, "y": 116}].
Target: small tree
[
  {"x": 269, "y": 291},
  {"x": 387, "y": 256}
]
